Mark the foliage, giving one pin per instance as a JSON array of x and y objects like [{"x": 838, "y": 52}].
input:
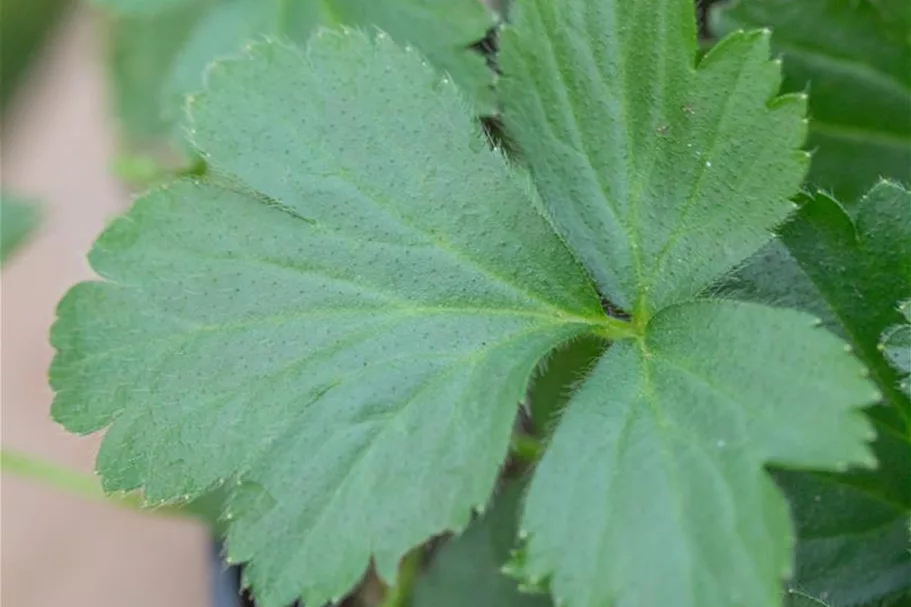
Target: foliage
[
  {"x": 18, "y": 219},
  {"x": 343, "y": 324},
  {"x": 160, "y": 50},
  {"x": 896, "y": 346},
  {"x": 854, "y": 56},
  {"x": 466, "y": 569},
  {"x": 141, "y": 52},
  {"x": 851, "y": 272},
  {"x": 23, "y": 30}
]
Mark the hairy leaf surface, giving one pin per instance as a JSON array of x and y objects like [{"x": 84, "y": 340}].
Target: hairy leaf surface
[
  {"x": 338, "y": 326},
  {"x": 855, "y": 59},
  {"x": 662, "y": 174},
  {"x": 850, "y": 271},
  {"x": 653, "y": 492}
]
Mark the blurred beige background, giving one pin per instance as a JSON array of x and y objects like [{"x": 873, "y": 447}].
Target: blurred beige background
[{"x": 55, "y": 550}]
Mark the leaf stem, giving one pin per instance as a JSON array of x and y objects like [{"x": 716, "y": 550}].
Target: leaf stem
[
  {"x": 398, "y": 595},
  {"x": 526, "y": 448},
  {"x": 615, "y": 329},
  {"x": 75, "y": 483}
]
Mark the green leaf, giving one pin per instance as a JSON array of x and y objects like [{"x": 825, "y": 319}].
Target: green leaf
[
  {"x": 159, "y": 55},
  {"x": 660, "y": 173},
  {"x": 230, "y": 25},
  {"x": 441, "y": 29},
  {"x": 796, "y": 598},
  {"x": 18, "y": 219},
  {"x": 24, "y": 30},
  {"x": 896, "y": 347},
  {"x": 339, "y": 334},
  {"x": 653, "y": 492},
  {"x": 141, "y": 7},
  {"x": 142, "y": 52},
  {"x": 855, "y": 58},
  {"x": 465, "y": 571},
  {"x": 861, "y": 267},
  {"x": 852, "y": 535},
  {"x": 849, "y": 271},
  {"x": 852, "y": 271}
]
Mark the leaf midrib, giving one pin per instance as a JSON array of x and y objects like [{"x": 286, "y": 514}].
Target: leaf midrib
[
  {"x": 690, "y": 200},
  {"x": 545, "y": 322},
  {"x": 668, "y": 428},
  {"x": 453, "y": 367},
  {"x": 380, "y": 200},
  {"x": 578, "y": 144}
]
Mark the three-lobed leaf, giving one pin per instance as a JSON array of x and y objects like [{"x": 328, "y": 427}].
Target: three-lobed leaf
[
  {"x": 339, "y": 327},
  {"x": 855, "y": 59}
]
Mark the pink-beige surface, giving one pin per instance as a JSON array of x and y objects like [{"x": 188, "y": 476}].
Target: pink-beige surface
[{"x": 56, "y": 550}]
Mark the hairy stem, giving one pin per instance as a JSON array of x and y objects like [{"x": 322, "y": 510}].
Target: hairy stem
[
  {"x": 70, "y": 481},
  {"x": 525, "y": 448},
  {"x": 615, "y": 329}
]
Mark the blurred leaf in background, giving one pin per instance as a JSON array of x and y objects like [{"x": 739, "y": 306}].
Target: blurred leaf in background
[
  {"x": 160, "y": 49},
  {"x": 18, "y": 219},
  {"x": 142, "y": 7},
  {"x": 466, "y": 569},
  {"x": 854, "y": 57},
  {"x": 141, "y": 53},
  {"x": 23, "y": 28}
]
